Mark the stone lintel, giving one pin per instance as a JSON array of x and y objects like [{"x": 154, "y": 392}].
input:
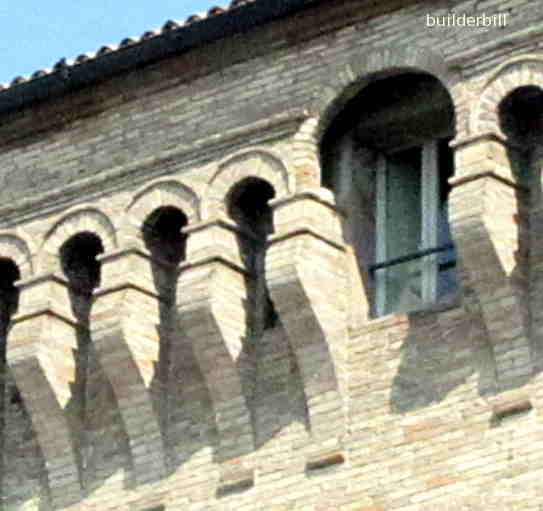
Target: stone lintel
[
  {"x": 321, "y": 195},
  {"x": 218, "y": 223},
  {"x": 44, "y": 294},
  {"x": 458, "y": 181},
  {"x": 309, "y": 213},
  {"x": 211, "y": 261},
  {"x": 486, "y": 155},
  {"x": 217, "y": 239}
]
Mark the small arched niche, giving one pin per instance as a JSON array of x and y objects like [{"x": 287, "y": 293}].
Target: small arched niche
[
  {"x": 78, "y": 256},
  {"x": 521, "y": 120},
  {"x": 520, "y": 116},
  {"x": 9, "y": 296},
  {"x": 79, "y": 263},
  {"x": 163, "y": 236},
  {"x": 248, "y": 206},
  {"x": 387, "y": 159}
]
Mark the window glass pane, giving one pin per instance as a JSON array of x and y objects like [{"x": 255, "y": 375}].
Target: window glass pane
[
  {"x": 446, "y": 282},
  {"x": 403, "y": 287},
  {"x": 403, "y": 229},
  {"x": 403, "y": 215}
]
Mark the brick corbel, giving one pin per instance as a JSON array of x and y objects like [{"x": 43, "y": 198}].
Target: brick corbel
[
  {"x": 124, "y": 328},
  {"x": 212, "y": 313},
  {"x": 305, "y": 270},
  {"x": 487, "y": 225},
  {"x": 40, "y": 355}
]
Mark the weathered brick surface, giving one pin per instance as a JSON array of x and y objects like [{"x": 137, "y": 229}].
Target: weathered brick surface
[{"x": 170, "y": 399}]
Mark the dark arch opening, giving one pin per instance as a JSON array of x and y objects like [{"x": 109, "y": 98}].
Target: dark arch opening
[
  {"x": 163, "y": 237},
  {"x": 9, "y": 301},
  {"x": 392, "y": 110},
  {"x": 162, "y": 234},
  {"x": 521, "y": 120},
  {"x": 248, "y": 205},
  {"x": 521, "y": 114},
  {"x": 387, "y": 159},
  {"x": 79, "y": 262},
  {"x": 81, "y": 267},
  {"x": 9, "y": 294}
]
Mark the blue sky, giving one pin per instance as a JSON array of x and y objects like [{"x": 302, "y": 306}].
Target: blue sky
[{"x": 35, "y": 34}]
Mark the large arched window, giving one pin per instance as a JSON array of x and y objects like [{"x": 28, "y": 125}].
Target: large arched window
[{"x": 386, "y": 157}]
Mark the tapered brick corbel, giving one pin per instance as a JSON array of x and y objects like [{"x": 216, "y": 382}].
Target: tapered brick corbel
[
  {"x": 40, "y": 355},
  {"x": 125, "y": 332},
  {"x": 212, "y": 313},
  {"x": 305, "y": 271},
  {"x": 488, "y": 225}
]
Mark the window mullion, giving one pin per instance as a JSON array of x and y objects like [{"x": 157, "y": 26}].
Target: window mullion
[
  {"x": 429, "y": 218},
  {"x": 381, "y": 226}
]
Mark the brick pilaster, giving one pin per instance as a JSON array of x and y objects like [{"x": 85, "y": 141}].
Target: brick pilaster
[
  {"x": 125, "y": 330},
  {"x": 212, "y": 311},
  {"x": 41, "y": 358},
  {"x": 487, "y": 225},
  {"x": 305, "y": 270}
]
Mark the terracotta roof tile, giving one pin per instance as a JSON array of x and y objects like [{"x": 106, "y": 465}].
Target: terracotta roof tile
[
  {"x": 168, "y": 26},
  {"x": 62, "y": 67}
]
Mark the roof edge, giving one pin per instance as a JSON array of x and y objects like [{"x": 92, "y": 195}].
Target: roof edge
[{"x": 149, "y": 49}]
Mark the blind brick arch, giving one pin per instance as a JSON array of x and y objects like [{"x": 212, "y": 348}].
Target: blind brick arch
[
  {"x": 166, "y": 192},
  {"x": 256, "y": 162},
  {"x": 349, "y": 79},
  {"x": 522, "y": 71},
  {"x": 80, "y": 220},
  {"x": 19, "y": 250}
]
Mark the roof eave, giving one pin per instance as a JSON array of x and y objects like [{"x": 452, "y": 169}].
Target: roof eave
[{"x": 144, "y": 52}]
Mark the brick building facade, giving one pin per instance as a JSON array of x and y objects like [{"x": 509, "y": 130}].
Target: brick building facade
[{"x": 284, "y": 256}]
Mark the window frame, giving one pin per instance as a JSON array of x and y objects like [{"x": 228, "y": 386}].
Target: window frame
[{"x": 429, "y": 228}]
